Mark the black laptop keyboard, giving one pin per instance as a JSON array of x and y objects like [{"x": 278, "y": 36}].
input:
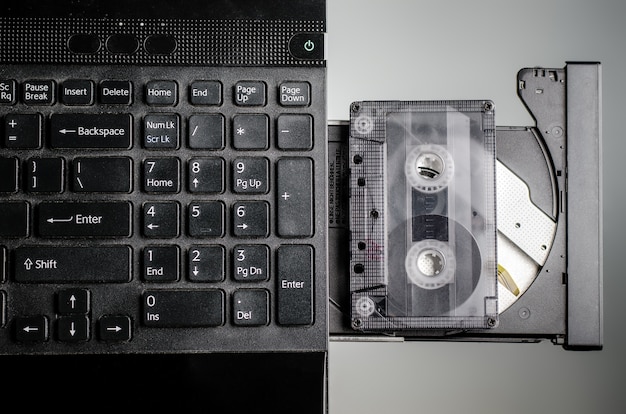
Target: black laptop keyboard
[{"x": 161, "y": 208}]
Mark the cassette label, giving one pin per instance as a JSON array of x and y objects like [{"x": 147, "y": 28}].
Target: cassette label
[{"x": 422, "y": 215}]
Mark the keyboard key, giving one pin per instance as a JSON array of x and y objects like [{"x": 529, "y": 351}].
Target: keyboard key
[
  {"x": 31, "y": 328},
  {"x": 8, "y": 175},
  {"x": 161, "y": 220},
  {"x": 38, "y": 92},
  {"x": 295, "y": 284},
  {"x": 102, "y": 175},
  {"x": 22, "y": 131},
  {"x": 116, "y": 92},
  {"x": 115, "y": 328},
  {"x": 160, "y": 131},
  {"x": 295, "y": 94},
  {"x": 161, "y": 93},
  {"x": 294, "y": 193},
  {"x": 14, "y": 219},
  {"x": 92, "y": 264},
  {"x": 206, "y": 131},
  {"x": 250, "y": 93},
  {"x": 251, "y": 219},
  {"x": 161, "y": 263},
  {"x": 205, "y": 93},
  {"x": 206, "y": 219},
  {"x": 295, "y": 132},
  {"x": 206, "y": 263},
  {"x": 206, "y": 175},
  {"x": 251, "y": 175},
  {"x": 45, "y": 175},
  {"x": 251, "y": 132},
  {"x": 161, "y": 175},
  {"x": 251, "y": 262},
  {"x": 73, "y": 328},
  {"x": 103, "y": 131},
  {"x": 89, "y": 219},
  {"x": 77, "y": 92},
  {"x": 251, "y": 307},
  {"x": 8, "y": 88},
  {"x": 183, "y": 308},
  {"x": 73, "y": 302}
]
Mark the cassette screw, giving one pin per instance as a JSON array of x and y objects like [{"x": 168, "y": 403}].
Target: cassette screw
[
  {"x": 488, "y": 106},
  {"x": 355, "y": 107},
  {"x": 491, "y": 322},
  {"x": 356, "y": 323}
]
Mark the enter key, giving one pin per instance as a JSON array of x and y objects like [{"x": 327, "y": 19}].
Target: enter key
[{"x": 95, "y": 219}]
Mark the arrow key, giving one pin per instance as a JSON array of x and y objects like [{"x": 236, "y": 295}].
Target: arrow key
[
  {"x": 73, "y": 301},
  {"x": 31, "y": 328},
  {"x": 161, "y": 220},
  {"x": 73, "y": 329},
  {"x": 114, "y": 328}
]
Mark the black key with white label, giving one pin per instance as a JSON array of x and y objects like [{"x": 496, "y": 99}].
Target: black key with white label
[
  {"x": 31, "y": 328},
  {"x": 251, "y": 175},
  {"x": 161, "y": 131},
  {"x": 73, "y": 301},
  {"x": 295, "y": 284},
  {"x": 251, "y": 219},
  {"x": 115, "y": 328},
  {"x": 22, "y": 130},
  {"x": 73, "y": 328},
  {"x": 206, "y": 131},
  {"x": 93, "y": 219},
  {"x": 206, "y": 175},
  {"x": 103, "y": 131},
  {"x": 45, "y": 175},
  {"x": 294, "y": 193},
  {"x": 161, "y": 175},
  {"x": 183, "y": 308},
  {"x": 161, "y": 220},
  {"x": 161, "y": 263},
  {"x": 251, "y": 262},
  {"x": 93, "y": 264},
  {"x": 102, "y": 175},
  {"x": 206, "y": 219},
  {"x": 206, "y": 263}
]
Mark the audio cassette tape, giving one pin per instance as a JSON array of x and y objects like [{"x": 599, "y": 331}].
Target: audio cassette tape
[
  {"x": 444, "y": 226},
  {"x": 422, "y": 215}
]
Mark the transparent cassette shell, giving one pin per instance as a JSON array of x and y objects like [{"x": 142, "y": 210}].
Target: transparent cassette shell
[{"x": 422, "y": 215}]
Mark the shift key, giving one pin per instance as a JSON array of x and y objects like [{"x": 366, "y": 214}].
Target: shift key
[
  {"x": 94, "y": 219},
  {"x": 94, "y": 264}
]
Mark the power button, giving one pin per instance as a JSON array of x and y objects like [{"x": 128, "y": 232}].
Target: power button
[{"x": 308, "y": 46}]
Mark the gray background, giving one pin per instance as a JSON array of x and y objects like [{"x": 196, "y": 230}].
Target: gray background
[{"x": 459, "y": 49}]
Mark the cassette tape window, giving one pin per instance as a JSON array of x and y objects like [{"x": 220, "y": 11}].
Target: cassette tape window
[{"x": 422, "y": 213}]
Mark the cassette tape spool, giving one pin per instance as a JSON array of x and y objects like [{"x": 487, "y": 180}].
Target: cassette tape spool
[{"x": 422, "y": 215}]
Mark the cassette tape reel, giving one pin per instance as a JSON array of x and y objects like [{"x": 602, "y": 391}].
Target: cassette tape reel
[{"x": 422, "y": 215}]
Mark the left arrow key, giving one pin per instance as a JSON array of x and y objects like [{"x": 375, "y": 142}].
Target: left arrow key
[{"x": 30, "y": 328}]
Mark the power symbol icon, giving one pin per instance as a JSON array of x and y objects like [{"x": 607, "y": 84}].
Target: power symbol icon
[{"x": 309, "y": 46}]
